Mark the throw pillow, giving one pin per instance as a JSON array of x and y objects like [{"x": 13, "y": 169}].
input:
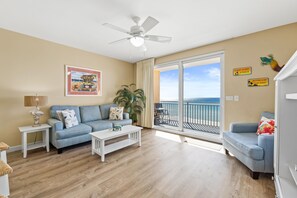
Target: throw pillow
[
  {"x": 60, "y": 117},
  {"x": 266, "y": 126},
  {"x": 70, "y": 118},
  {"x": 116, "y": 113}
]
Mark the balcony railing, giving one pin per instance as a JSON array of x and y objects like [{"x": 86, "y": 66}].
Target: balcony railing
[{"x": 197, "y": 116}]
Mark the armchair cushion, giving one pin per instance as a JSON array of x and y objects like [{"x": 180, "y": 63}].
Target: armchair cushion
[{"x": 246, "y": 143}]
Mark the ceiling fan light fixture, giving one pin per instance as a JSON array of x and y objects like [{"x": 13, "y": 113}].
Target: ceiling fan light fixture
[{"x": 137, "y": 41}]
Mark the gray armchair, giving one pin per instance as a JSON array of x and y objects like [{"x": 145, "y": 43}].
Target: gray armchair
[{"x": 255, "y": 151}]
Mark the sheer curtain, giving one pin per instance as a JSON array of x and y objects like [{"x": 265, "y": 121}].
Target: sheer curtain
[{"x": 145, "y": 81}]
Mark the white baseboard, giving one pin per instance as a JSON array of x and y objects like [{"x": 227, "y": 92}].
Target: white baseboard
[{"x": 19, "y": 147}]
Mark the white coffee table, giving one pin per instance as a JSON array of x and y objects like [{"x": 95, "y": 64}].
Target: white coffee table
[{"x": 99, "y": 138}]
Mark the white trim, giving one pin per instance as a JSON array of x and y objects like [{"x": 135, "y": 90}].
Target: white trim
[
  {"x": 19, "y": 147},
  {"x": 289, "y": 69},
  {"x": 199, "y": 57},
  {"x": 222, "y": 99},
  {"x": 181, "y": 96}
]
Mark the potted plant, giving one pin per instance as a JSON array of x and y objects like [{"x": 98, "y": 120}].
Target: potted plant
[{"x": 132, "y": 99}]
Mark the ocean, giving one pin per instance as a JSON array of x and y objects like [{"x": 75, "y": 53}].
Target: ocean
[{"x": 196, "y": 110}]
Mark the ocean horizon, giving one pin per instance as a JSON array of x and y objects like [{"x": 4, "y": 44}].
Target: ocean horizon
[{"x": 197, "y": 100}]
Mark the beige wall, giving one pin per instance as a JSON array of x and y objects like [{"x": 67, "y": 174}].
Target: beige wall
[
  {"x": 245, "y": 51},
  {"x": 29, "y": 65}
]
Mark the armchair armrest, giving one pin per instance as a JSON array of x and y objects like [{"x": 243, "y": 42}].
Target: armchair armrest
[
  {"x": 56, "y": 125},
  {"x": 243, "y": 127},
  {"x": 266, "y": 142},
  {"x": 125, "y": 116}
]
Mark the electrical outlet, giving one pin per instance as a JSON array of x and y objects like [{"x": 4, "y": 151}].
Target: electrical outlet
[
  {"x": 236, "y": 98},
  {"x": 229, "y": 98}
]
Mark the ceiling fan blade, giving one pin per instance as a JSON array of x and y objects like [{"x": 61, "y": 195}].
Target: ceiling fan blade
[
  {"x": 161, "y": 39},
  {"x": 149, "y": 23},
  {"x": 116, "y": 28},
  {"x": 119, "y": 41}
]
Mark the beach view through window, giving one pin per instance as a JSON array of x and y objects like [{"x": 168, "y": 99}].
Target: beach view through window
[{"x": 201, "y": 97}]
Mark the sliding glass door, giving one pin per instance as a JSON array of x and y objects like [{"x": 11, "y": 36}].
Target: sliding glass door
[
  {"x": 202, "y": 89},
  {"x": 188, "y": 95},
  {"x": 166, "y": 106}
]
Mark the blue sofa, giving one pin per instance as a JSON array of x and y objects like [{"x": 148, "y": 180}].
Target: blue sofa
[
  {"x": 90, "y": 119},
  {"x": 255, "y": 151}
]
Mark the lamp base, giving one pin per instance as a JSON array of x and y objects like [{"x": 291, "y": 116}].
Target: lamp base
[{"x": 36, "y": 116}]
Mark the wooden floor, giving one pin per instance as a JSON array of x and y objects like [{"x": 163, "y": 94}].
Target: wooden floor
[{"x": 161, "y": 167}]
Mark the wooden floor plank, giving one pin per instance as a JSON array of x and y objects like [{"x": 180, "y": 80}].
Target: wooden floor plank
[{"x": 159, "y": 168}]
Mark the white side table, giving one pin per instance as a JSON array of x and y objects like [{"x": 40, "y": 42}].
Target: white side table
[{"x": 44, "y": 128}]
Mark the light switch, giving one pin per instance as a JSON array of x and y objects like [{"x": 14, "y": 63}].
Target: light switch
[
  {"x": 229, "y": 98},
  {"x": 236, "y": 98}
]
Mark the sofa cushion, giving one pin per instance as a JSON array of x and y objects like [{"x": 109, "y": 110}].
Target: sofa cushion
[
  {"x": 122, "y": 122},
  {"x": 55, "y": 108},
  {"x": 78, "y": 130},
  {"x": 246, "y": 143},
  {"x": 99, "y": 125},
  {"x": 90, "y": 113},
  {"x": 105, "y": 110}
]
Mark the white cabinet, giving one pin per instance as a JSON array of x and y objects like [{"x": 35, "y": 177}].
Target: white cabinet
[{"x": 285, "y": 148}]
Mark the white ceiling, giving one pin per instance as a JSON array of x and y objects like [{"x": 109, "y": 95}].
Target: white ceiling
[{"x": 191, "y": 23}]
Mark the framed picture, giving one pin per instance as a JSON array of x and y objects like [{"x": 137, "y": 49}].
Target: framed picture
[
  {"x": 258, "y": 82},
  {"x": 241, "y": 71},
  {"x": 82, "y": 81}
]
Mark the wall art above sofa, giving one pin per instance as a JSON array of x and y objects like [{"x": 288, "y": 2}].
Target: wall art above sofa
[{"x": 82, "y": 81}]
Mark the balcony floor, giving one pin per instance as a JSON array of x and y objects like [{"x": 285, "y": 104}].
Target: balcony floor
[{"x": 199, "y": 128}]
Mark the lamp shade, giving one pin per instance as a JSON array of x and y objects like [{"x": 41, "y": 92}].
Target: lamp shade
[
  {"x": 137, "y": 41},
  {"x": 30, "y": 101}
]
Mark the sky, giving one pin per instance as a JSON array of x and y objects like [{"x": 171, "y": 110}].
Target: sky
[{"x": 199, "y": 82}]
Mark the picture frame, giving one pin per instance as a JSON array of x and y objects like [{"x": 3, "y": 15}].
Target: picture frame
[{"x": 81, "y": 81}]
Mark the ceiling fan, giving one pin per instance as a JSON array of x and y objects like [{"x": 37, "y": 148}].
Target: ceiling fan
[{"x": 138, "y": 32}]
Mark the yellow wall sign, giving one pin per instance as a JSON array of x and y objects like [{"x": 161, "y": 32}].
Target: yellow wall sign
[
  {"x": 258, "y": 82},
  {"x": 241, "y": 71}
]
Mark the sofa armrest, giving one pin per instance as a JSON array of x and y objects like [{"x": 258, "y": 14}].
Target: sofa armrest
[
  {"x": 266, "y": 142},
  {"x": 243, "y": 127},
  {"x": 126, "y": 116},
  {"x": 56, "y": 125}
]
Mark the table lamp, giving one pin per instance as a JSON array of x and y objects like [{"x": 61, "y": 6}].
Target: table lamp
[{"x": 35, "y": 101}]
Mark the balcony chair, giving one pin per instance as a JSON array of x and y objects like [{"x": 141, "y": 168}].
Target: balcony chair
[
  {"x": 254, "y": 151},
  {"x": 159, "y": 113}
]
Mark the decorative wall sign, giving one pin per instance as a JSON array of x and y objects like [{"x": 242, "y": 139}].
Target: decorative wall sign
[
  {"x": 241, "y": 71},
  {"x": 82, "y": 81},
  {"x": 258, "y": 82}
]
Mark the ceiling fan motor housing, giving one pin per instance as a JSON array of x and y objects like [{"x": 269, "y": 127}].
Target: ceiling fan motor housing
[{"x": 136, "y": 30}]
